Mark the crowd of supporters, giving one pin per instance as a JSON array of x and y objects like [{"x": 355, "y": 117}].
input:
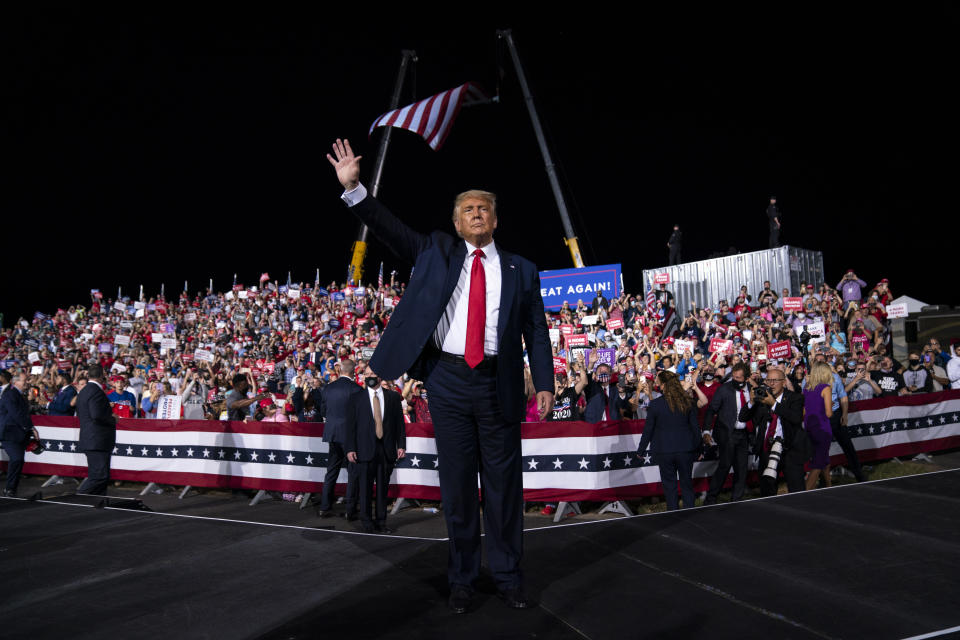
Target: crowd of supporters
[{"x": 280, "y": 345}]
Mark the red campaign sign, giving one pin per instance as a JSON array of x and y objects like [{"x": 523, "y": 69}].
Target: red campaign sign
[
  {"x": 577, "y": 340},
  {"x": 255, "y": 371},
  {"x": 793, "y": 304},
  {"x": 186, "y": 357},
  {"x": 269, "y": 367},
  {"x": 661, "y": 278},
  {"x": 779, "y": 350},
  {"x": 721, "y": 346},
  {"x": 614, "y": 323},
  {"x": 63, "y": 365},
  {"x": 160, "y": 366},
  {"x": 559, "y": 365},
  {"x": 566, "y": 329}
]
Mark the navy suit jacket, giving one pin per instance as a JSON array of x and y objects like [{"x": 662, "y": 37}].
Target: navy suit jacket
[
  {"x": 789, "y": 412},
  {"x": 438, "y": 259},
  {"x": 724, "y": 407},
  {"x": 362, "y": 430},
  {"x": 60, "y": 406},
  {"x": 15, "y": 424},
  {"x": 670, "y": 432},
  {"x": 335, "y": 408},
  {"x": 98, "y": 425},
  {"x": 593, "y": 412}
]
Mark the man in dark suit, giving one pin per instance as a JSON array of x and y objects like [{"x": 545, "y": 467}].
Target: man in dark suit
[
  {"x": 779, "y": 414},
  {"x": 335, "y": 409},
  {"x": 603, "y": 398},
  {"x": 98, "y": 431},
  {"x": 599, "y": 302},
  {"x": 63, "y": 404},
  {"x": 730, "y": 433},
  {"x": 376, "y": 439},
  {"x": 675, "y": 244},
  {"x": 15, "y": 427},
  {"x": 461, "y": 328}
]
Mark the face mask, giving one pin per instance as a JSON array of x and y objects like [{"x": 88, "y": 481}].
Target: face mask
[
  {"x": 801, "y": 315},
  {"x": 914, "y": 364},
  {"x": 603, "y": 378},
  {"x": 708, "y": 377},
  {"x": 739, "y": 385},
  {"x": 373, "y": 382}
]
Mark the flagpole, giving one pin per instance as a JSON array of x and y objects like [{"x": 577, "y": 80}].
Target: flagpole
[
  {"x": 571, "y": 239},
  {"x": 360, "y": 246}
]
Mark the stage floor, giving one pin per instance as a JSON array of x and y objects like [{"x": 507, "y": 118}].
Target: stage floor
[{"x": 872, "y": 560}]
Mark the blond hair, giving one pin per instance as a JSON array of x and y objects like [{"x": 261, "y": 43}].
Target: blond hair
[
  {"x": 820, "y": 373},
  {"x": 487, "y": 196}
]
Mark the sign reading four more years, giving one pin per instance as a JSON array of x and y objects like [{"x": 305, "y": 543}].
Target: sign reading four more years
[{"x": 579, "y": 284}]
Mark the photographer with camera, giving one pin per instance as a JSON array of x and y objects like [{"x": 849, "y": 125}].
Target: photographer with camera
[{"x": 780, "y": 441}]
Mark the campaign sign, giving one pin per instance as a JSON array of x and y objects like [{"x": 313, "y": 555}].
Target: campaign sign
[
  {"x": 793, "y": 304},
  {"x": 661, "y": 278},
  {"x": 589, "y": 319},
  {"x": 559, "y": 365},
  {"x": 299, "y": 326},
  {"x": 388, "y": 301},
  {"x": 37, "y": 370},
  {"x": 554, "y": 336},
  {"x": 360, "y": 291},
  {"x": 202, "y": 355},
  {"x": 615, "y": 323},
  {"x": 607, "y": 356},
  {"x": 366, "y": 353},
  {"x": 779, "y": 350},
  {"x": 337, "y": 295},
  {"x": 816, "y": 331},
  {"x": 577, "y": 340},
  {"x": 584, "y": 283},
  {"x": 156, "y": 337},
  {"x": 269, "y": 367},
  {"x": 105, "y": 347},
  {"x": 123, "y": 341},
  {"x": 566, "y": 329},
  {"x": 168, "y": 408},
  {"x": 139, "y": 305},
  {"x": 63, "y": 365},
  {"x": 168, "y": 343},
  {"x": 682, "y": 346},
  {"x": 33, "y": 356},
  {"x": 168, "y": 327},
  {"x": 190, "y": 317},
  {"x": 293, "y": 293},
  {"x": 119, "y": 306},
  {"x": 897, "y": 310}
]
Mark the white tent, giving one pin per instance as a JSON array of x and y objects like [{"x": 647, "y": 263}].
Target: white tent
[{"x": 913, "y": 305}]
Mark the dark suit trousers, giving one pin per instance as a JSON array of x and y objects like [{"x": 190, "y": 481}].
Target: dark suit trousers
[
  {"x": 15, "y": 451},
  {"x": 472, "y": 436},
  {"x": 377, "y": 470},
  {"x": 336, "y": 459},
  {"x": 842, "y": 435},
  {"x": 674, "y": 255},
  {"x": 673, "y": 465},
  {"x": 98, "y": 473},
  {"x": 733, "y": 447},
  {"x": 774, "y": 237}
]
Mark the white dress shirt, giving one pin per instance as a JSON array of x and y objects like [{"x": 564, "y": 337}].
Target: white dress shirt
[
  {"x": 778, "y": 433},
  {"x": 456, "y": 313},
  {"x": 746, "y": 395},
  {"x": 377, "y": 393}
]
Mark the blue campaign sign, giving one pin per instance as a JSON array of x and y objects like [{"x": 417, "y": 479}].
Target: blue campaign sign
[{"x": 579, "y": 284}]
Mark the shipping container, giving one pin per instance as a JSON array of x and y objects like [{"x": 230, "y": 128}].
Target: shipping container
[{"x": 707, "y": 282}]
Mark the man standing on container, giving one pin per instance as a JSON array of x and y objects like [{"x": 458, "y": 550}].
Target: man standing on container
[
  {"x": 461, "y": 327},
  {"x": 773, "y": 213}
]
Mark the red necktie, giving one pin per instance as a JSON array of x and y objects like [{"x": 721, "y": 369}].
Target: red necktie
[
  {"x": 743, "y": 403},
  {"x": 476, "y": 312},
  {"x": 771, "y": 430}
]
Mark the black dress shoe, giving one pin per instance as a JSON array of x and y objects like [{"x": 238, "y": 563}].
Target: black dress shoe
[
  {"x": 459, "y": 599},
  {"x": 382, "y": 528},
  {"x": 366, "y": 527},
  {"x": 350, "y": 517},
  {"x": 514, "y": 598},
  {"x": 7, "y": 493},
  {"x": 324, "y": 514}
]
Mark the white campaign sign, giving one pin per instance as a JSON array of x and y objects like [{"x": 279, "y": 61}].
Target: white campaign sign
[{"x": 897, "y": 310}]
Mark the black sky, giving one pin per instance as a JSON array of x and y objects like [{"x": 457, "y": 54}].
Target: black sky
[{"x": 158, "y": 148}]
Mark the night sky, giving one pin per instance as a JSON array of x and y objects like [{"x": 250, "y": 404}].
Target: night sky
[{"x": 160, "y": 148}]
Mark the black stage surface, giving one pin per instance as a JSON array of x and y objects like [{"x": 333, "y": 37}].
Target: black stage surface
[{"x": 873, "y": 560}]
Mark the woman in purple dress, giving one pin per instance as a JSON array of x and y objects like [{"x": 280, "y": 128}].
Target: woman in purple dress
[{"x": 817, "y": 410}]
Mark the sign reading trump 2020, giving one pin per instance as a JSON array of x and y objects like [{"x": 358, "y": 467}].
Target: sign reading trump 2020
[{"x": 579, "y": 284}]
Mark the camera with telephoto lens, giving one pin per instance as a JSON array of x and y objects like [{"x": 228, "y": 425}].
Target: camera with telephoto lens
[
  {"x": 804, "y": 337},
  {"x": 773, "y": 461},
  {"x": 763, "y": 390}
]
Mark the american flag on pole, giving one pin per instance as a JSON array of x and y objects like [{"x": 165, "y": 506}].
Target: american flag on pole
[
  {"x": 651, "y": 299},
  {"x": 432, "y": 118},
  {"x": 380, "y": 277}
]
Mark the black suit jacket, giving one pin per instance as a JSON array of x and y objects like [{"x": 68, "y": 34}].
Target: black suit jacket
[
  {"x": 668, "y": 431},
  {"x": 593, "y": 412},
  {"x": 98, "y": 425},
  {"x": 790, "y": 414},
  {"x": 15, "y": 424},
  {"x": 438, "y": 259},
  {"x": 335, "y": 408},
  {"x": 723, "y": 406},
  {"x": 362, "y": 430}
]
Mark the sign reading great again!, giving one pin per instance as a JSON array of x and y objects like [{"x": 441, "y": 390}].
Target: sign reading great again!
[{"x": 584, "y": 284}]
